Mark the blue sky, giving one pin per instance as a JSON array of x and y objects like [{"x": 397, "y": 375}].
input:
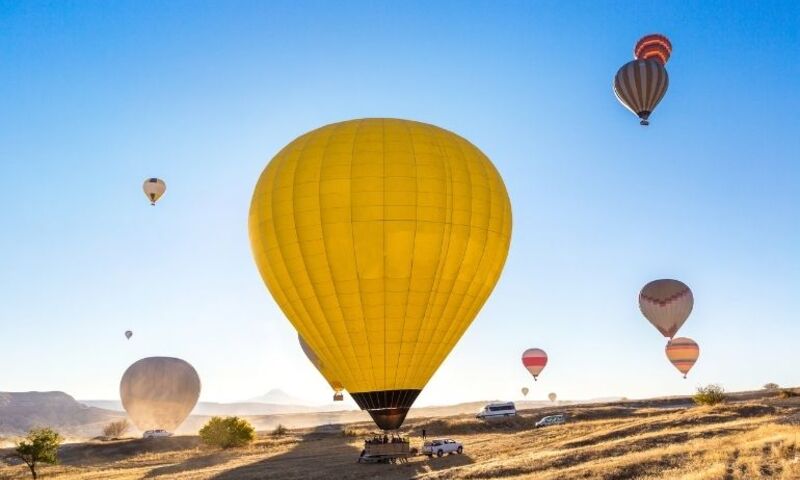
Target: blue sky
[{"x": 96, "y": 96}]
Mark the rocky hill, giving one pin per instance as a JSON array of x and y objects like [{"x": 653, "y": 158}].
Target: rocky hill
[{"x": 21, "y": 411}]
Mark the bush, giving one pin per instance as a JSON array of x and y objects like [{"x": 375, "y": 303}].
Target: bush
[
  {"x": 280, "y": 430},
  {"x": 39, "y": 446},
  {"x": 787, "y": 393},
  {"x": 227, "y": 432},
  {"x": 771, "y": 386},
  {"x": 709, "y": 395},
  {"x": 116, "y": 429}
]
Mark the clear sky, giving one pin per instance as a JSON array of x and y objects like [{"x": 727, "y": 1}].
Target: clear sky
[{"x": 96, "y": 96}]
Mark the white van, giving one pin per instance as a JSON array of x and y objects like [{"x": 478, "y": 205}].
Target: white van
[{"x": 498, "y": 409}]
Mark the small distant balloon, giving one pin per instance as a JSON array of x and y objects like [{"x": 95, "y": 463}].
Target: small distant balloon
[
  {"x": 128, "y": 334},
  {"x": 153, "y": 189},
  {"x": 534, "y": 359},
  {"x": 552, "y": 396},
  {"x": 683, "y": 353},
  {"x": 653, "y": 47},
  {"x": 525, "y": 391}
]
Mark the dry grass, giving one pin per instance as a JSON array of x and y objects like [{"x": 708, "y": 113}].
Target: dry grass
[{"x": 734, "y": 441}]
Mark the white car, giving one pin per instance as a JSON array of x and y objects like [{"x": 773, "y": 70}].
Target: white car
[
  {"x": 550, "y": 420},
  {"x": 156, "y": 434},
  {"x": 442, "y": 446}
]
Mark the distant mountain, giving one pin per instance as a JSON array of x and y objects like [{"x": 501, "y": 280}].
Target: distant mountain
[
  {"x": 21, "y": 411},
  {"x": 278, "y": 397}
]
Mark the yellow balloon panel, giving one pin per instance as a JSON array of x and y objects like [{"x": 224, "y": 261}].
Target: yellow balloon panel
[{"x": 380, "y": 239}]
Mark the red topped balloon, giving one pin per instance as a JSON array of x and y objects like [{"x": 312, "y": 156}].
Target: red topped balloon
[{"x": 653, "y": 47}]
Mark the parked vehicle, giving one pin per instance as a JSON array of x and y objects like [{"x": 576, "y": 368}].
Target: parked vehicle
[
  {"x": 442, "y": 446},
  {"x": 498, "y": 409},
  {"x": 550, "y": 420},
  {"x": 156, "y": 434}
]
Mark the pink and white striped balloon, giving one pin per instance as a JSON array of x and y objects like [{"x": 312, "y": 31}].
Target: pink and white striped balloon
[{"x": 534, "y": 359}]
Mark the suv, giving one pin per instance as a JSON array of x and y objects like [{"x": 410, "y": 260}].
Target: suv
[
  {"x": 550, "y": 420},
  {"x": 440, "y": 447},
  {"x": 156, "y": 434}
]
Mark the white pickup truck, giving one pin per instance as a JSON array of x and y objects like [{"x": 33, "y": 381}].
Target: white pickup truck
[{"x": 442, "y": 446}]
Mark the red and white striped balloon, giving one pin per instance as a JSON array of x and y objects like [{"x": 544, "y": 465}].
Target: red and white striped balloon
[
  {"x": 534, "y": 359},
  {"x": 683, "y": 353}
]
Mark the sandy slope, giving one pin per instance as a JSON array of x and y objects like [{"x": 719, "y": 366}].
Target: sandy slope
[{"x": 747, "y": 439}]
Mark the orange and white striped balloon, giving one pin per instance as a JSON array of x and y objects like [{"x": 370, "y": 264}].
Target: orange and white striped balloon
[
  {"x": 683, "y": 353},
  {"x": 666, "y": 303},
  {"x": 534, "y": 359},
  {"x": 653, "y": 47}
]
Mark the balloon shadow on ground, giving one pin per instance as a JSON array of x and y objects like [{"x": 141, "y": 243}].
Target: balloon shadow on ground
[{"x": 323, "y": 454}]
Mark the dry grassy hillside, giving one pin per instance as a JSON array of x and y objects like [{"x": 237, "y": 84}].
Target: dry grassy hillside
[{"x": 754, "y": 437}]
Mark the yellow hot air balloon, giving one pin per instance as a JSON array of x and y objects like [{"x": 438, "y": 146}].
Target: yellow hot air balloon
[
  {"x": 552, "y": 396},
  {"x": 153, "y": 189},
  {"x": 525, "y": 391},
  {"x": 335, "y": 384},
  {"x": 682, "y": 352},
  {"x": 380, "y": 239}
]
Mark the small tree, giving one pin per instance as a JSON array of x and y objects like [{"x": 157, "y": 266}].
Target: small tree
[
  {"x": 116, "y": 429},
  {"x": 39, "y": 446},
  {"x": 227, "y": 432},
  {"x": 771, "y": 386},
  {"x": 709, "y": 395},
  {"x": 280, "y": 430}
]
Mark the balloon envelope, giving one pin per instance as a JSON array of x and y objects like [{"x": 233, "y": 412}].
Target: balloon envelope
[
  {"x": 653, "y": 47},
  {"x": 640, "y": 85},
  {"x": 380, "y": 239},
  {"x": 159, "y": 392},
  {"x": 128, "y": 334},
  {"x": 552, "y": 397},
  {"x": 534, "y": 359},
  {"x": 525, "y": 391},
  {"x": 683, "y": 353},
  {"x": 153, "y": 189},
  {"x": 666, "y": 303}
]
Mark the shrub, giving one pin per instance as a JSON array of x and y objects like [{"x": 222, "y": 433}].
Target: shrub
[
  {"x": 39, "y": 446},
  {"x": 280, "y": 430},
  {"x": 787, "y": 393},
  {"x": 771, "y": 386},
  {"x": 709, "y": 395},
  {"x": 227, "y": 432},
  {"x": 116, "y": 429},
  {"x": 351, "y": 432}
]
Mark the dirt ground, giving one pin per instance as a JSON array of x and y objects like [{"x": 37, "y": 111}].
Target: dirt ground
[{"x": 746, "y": 439}]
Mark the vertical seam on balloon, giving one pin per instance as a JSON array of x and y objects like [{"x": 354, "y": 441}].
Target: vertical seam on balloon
[
  {"x": 432, "y": 370},
  {"x": 340, "y": 359},
  {"x": 413, "y": 251},
  {"x": 446, "y": 237},
  {"x": 637, "y": 81},
  {"x": 383, "y": 244},
  {"x": 355, "y": 260},
  {"x": 454, "y": 326}
]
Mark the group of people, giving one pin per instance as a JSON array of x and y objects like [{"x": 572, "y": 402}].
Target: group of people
[{"x": 377, "y": 439}]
